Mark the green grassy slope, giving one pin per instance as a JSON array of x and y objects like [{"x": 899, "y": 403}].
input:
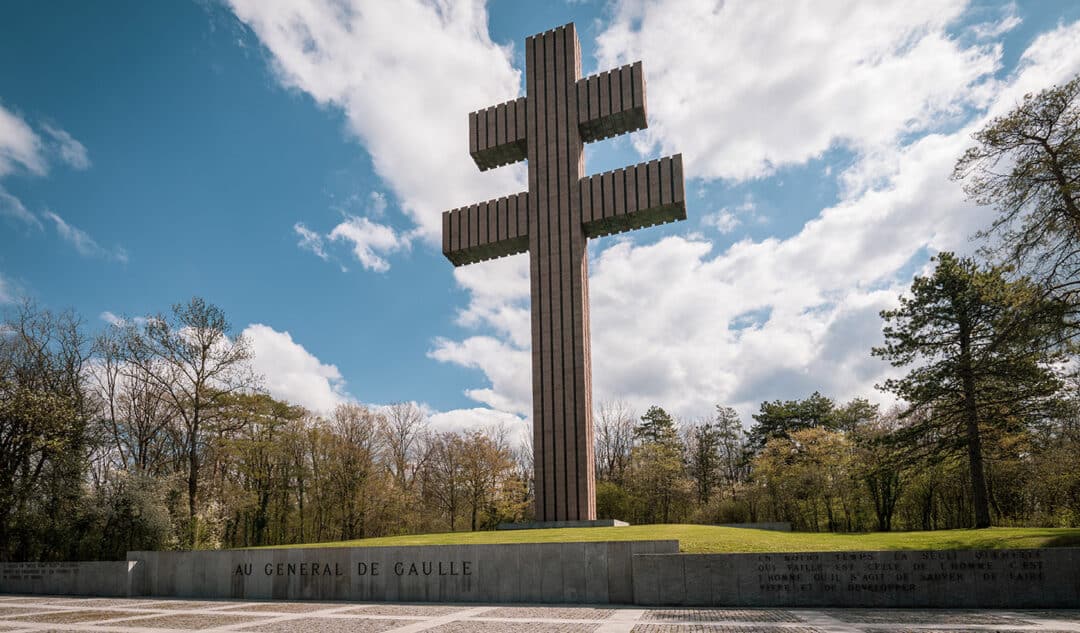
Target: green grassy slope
[{"x": 707, "y": 539}]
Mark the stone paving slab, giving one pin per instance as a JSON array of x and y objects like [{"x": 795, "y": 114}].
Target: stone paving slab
[
  {"x": 75, "y": 615},
  {"x": 281, "y": 607},
  {"x": 189, "y": 621},
  {"x": 426, "y": 610},
  {"x": 473, "y": 626},
  {"x": 331, "y": 625},
  {"x": 921, "y": 616},
  {"x": 943, "y": 630},
  {"x": 192, "y": 605},
  {"x": 703, "y": 628},
  {"x": 12, "y": 611},
  {"x": 719, "y": 615},
  {"x": 549, "y": 613}
]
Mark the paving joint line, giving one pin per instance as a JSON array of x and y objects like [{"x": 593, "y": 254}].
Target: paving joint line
[
  {"x": 624, "y": 624},
  {"x": 287, "y": 617}
]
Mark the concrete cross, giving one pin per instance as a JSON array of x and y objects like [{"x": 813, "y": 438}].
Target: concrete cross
[{"x": 551, "y": 221}]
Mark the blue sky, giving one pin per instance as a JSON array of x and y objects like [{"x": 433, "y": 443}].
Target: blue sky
[{"x": 289, "y": 161}]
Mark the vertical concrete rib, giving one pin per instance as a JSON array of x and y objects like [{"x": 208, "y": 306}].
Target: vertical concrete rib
[
  {"x": 567, "y": 178},
  {"x": 579, "y": 270},
  {"x": 532, "y": 211}
]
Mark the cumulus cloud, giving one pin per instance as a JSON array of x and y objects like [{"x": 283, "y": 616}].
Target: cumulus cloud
[
  {"x": 742, "y": 90},
  {"x": 677, "y": 323},
  {"x": 478, "y": 418},
  {"x": 292, "y": 373},
  {"x": 84, "y": 244},
  {"x": 68, "y": 148},
  {"x": 746, "y": 87},
  {"x": 406, "y": 74}
]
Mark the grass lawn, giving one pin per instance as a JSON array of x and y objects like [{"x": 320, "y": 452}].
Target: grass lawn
[{"x": 700, "y": 539}]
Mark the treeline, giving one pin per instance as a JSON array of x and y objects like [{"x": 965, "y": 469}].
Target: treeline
[
  {"x": 842, "y": 468},
  {"x": 156, "y": 435}
]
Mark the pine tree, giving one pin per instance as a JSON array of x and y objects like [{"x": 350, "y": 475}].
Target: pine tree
[{"x": 978, "y": 344}]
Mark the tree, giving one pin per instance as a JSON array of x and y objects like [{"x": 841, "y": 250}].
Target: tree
[
  {"x": 613, "y": 427},
  {"x": 878, "y": 465},
  {"x": 732, "y": 447},
  {"x": 1026, "y": 165},
  {"x": 443, "y": 476},
  {"x": 657, "y": 426},
  {"x": 657, "y": 474},
  {"x": 849, "y": 417},
  {"x": 809, "y": 478},
  {"x": 44, "y": 414},
  {"x": 703, "y": 458},
  {"x": 979, "y": 341},
  {"x": 486, "y": 465},
  {"x": 781, "y": 419},
  {"x": 197, "y": 365},
  {"x": 401, "y": 432},
  {"x": 353, "y": 474}
]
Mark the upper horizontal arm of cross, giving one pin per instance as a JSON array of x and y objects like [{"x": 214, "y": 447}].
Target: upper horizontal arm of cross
[{"x": 609, "y": 104}]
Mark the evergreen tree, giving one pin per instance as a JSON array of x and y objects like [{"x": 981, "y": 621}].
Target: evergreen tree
[
  {"x": 977, "y": 343},
  {"x": 703, "y": 460},
  {"x": 780, "y": 419},
  {"x": 657, "y": 426}
]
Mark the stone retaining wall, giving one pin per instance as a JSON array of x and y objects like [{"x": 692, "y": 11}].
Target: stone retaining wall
[
  {"x": 1034, "y": 578},
  {"x": 630, "y": 572},
  {"x": 109, "y": 578},
  {"x": 597, "y": 573}
]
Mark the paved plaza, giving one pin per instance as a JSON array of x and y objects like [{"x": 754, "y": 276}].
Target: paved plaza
[{"x": 26, "y": 614}]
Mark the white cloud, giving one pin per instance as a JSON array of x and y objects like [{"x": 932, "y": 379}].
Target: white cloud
[
  {"x": 19, "y": 145},
  {"x": 478, "y": 418},
  {"x": 406, "y": 74},
  {"x": 723, "y": 221},
  {"x": 675, "y": 323},
  {"x": 292, "y": 373},
  {"x": 370, "y": 241},
  {"x": 741, "y": 91},
  {"x": 12, "y": 207},
  {"x": 310, "y": 241},
  {"x": 745, "y": 87},
  {"x": 86, "y": 245},
  {"x": 507, "y": 366},
  {"x": 112, "y": 319},
  {"x": 69, "y": 149},
  {"x": 1008, "y": 21}
]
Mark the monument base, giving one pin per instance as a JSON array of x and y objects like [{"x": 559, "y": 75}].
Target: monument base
[{"x": 543, "y": 525}]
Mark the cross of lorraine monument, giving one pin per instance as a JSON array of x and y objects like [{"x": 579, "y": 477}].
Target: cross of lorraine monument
[{"x": 551, "y": 221}]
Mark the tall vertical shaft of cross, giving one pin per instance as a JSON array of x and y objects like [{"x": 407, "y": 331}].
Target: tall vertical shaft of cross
[{"x": 552, "y": 220}]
